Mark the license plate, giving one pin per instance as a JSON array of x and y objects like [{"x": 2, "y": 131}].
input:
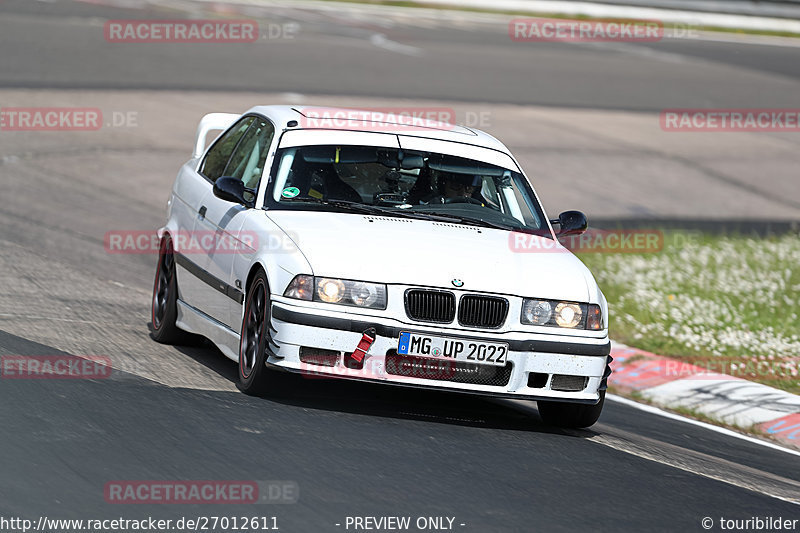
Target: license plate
[{"x": 470, "y": 351}]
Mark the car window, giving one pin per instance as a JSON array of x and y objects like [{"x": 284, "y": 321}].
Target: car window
[
  {"x": 247, "y": 161},
  {"x": 404, "y": 181},
  {"x": 217, "y": 157}
]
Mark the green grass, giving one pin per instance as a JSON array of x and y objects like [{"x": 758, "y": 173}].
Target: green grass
[{"x": 705, "y": 297}]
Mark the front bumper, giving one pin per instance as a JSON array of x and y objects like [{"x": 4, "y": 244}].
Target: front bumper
[{"x": 538, "y": 366}]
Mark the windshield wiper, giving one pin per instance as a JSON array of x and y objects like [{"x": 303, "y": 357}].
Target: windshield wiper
[
  {"x": 374, "y": 209},
  {"x": 344, "y": 204},
  {"x": 403, "y": 213},
  {"x": 476, "y": 221}
]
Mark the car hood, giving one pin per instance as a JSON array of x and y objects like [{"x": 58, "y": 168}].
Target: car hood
[{"x": 420, "y": 252}]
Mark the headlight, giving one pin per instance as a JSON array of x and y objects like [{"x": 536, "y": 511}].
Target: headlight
[
  {"x": 561, "y": 314},
  {"x": 568, "y": 315},
  {"x": 337, "y": 291},
  {"x": 364, "y": 294},
  {"x": 330, "y": 291},
  {"x": 536, "y": 312}
]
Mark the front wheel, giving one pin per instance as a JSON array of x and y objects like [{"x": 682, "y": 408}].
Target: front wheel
[
  {"x": 570, "y": 415},
  {"x": 254, "y": 376}
]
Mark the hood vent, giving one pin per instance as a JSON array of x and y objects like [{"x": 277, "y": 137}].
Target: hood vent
[
  {"x": 476, "y": 229},
  {"x": 387, "y": 219}
]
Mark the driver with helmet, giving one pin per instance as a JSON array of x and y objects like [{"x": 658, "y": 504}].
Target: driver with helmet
[{"x": 454, "y": 186}]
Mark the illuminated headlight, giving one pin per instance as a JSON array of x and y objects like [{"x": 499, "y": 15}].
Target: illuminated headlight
[
  {"x": 561, "y": 314},
  {"x": 330, "y": 291},
  {"x": 536, "y": 312},
  {"x": 337, "y": 291},
  {"x": 568, "y": 315}
]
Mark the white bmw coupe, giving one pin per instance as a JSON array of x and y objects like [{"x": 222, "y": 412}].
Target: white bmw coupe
[{"x": 375, "y": 248}]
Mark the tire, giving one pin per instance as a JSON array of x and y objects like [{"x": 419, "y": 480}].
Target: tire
[
  {"x": 254, "y": 376},
  {"x": 571, "y": 415},
  {"x": 164, "y": 305}
]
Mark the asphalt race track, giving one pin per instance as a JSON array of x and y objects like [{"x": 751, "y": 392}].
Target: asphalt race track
[{"x": 583, "y": 120}]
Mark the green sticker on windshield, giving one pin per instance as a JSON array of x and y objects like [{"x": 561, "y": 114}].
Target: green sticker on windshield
[{"x": 290, "y": 192}]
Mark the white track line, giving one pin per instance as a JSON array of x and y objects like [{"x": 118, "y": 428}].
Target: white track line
[
  {"x": 380, "y": 40},
  {"x": 702, "y": 464},
  {"x": 710, "y": 427},
  {"x": 688, "y": 460}
]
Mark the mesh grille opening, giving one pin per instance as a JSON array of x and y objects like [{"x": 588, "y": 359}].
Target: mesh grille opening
[
  {"x": 442, "y": 370},
  {"x": 564, "y": 383},
  {"x": 482, "y": 311},
  {"x": 430, "y": 306},
  {"x": 318, "y": 356}
]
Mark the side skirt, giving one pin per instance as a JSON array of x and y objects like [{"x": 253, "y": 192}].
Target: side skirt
[{"x": 195, "y": 321}]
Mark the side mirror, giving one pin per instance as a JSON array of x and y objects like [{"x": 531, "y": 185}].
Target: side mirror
[
  {"x": 231, "y": 190},
  {"x": 571, "y": 222}
]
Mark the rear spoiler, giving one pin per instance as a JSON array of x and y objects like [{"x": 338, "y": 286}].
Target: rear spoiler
[{"x": 209, "y": 123}]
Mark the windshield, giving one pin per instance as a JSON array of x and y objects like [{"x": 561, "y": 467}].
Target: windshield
[{"x": 399, "y": 182}]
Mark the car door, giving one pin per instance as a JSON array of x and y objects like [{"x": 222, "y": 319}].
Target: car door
[
  {"x": 224, "y": 220},
  {"x": 191, "y": 257}
]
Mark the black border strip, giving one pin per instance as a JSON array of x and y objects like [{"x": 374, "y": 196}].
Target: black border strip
[
  {"x": 209, "y": 279},
  {"x": 358, "y": 326}
]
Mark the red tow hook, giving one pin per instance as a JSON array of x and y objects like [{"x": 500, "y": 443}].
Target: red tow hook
[{"x": 367, "y": 338}]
